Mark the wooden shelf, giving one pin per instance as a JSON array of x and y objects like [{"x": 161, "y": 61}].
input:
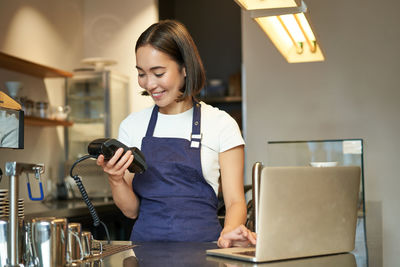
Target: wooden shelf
[
  {"x": 223, "y": 99},
  {"x": 35, "y": 121},
  {"x": 23, "y": 66},
  {"x": 27, "y": 67}
]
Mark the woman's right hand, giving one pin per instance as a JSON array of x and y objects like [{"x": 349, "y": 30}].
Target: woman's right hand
[
  {"x": 238, "y": 237},
  {"x": 121, "y": 183},
  {"x": 117, "y": 165}
]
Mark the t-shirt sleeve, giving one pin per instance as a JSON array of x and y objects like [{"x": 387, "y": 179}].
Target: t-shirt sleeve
[
  {"x": 133, "y": 128},
  {"x": 230, "y": 135},
  {"x": 123, "y": 135}
]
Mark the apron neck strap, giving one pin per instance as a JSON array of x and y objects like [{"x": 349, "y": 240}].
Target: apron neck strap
[
  {"x": 153, "y": 121},
  {"x": 195, "y": 121},
  {"x": 195, "y": 138}
]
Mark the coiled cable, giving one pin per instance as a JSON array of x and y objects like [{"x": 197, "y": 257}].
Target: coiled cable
[{"x": 85, "y": 197}]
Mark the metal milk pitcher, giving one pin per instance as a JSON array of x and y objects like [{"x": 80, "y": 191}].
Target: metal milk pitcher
[
  {"x": 3, "y": 241},
  {"x": 74, "y": 244},
  {"x": 49, "y": 241},
  {"x": 4, "y": 244},
  {"x": 86, "y": 240}
]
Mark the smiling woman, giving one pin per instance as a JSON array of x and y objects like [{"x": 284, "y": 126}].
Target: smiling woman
[
  {"x": 188, "y": 146},
  {"x": 163, "y": 79},
  {"x": 175, "y": 42}
]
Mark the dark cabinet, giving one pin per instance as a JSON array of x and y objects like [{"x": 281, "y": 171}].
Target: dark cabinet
[
  {"x": 218, "y": 38},
  {"x": 119, "y": 226}
]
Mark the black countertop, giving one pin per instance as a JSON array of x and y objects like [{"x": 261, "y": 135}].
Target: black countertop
[
  {"x": 194, "y": 255},
  {"x": 170, "y": 254},
  {"x": 66, "y": 208}
]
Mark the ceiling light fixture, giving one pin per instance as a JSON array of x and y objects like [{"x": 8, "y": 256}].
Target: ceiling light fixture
[{"x": 286, "y": 24}]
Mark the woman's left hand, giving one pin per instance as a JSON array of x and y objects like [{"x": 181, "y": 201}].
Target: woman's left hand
[{"x": 239, "y": 237}]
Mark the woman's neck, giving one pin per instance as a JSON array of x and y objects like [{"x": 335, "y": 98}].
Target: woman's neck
[{"x": 177, "y": 107}]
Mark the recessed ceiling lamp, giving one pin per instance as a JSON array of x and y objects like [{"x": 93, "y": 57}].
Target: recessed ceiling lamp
[{"x": 286, "y": 24}]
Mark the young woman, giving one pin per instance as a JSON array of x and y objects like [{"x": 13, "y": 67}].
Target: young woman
[{"x": 187, "y": 145}]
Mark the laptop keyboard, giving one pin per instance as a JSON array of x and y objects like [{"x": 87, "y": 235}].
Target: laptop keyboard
[{"x": 251, "y": 253}]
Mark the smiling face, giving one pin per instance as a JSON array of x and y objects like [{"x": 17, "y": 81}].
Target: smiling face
[{"x": 163, "y": 78}]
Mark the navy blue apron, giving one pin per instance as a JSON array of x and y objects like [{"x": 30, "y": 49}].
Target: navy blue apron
[{"x": 176, "y": 202}]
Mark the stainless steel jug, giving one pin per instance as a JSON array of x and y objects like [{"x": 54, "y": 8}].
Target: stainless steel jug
[
  {"x": 49, "y": 241},
  {"x": 4, "y": 244},
  {"x": 74, "y": 249},
  {"x": 3, "y": 241},
  {"x": 87, "y": 243}
]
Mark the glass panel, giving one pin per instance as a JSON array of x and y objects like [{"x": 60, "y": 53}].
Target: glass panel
[
  {"x": 325, "y": 153},
  {"x": 86, "y": 84},
  {"x": 316, "y": 153},
  {"x": 99, "y": 102},
  {"x": 118, "y": 102},
  {"x": 11, "y": 128},
  {"x": 81, "y": 134},
  {"x": 86, "y": 97}
]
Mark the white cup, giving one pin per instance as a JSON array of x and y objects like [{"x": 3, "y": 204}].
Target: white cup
[
  {"x": 13, "y": 87},
  {"x": 60, "y": 112}
]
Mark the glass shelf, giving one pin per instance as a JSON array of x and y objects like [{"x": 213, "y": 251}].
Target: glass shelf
[{"x": 23, "y": 66}]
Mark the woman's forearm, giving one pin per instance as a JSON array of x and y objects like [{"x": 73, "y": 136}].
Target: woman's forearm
[
  {"x": 124, "y": 198},
  {"x": 235, "y": 215},
  {"x": 231, "y": 164}
]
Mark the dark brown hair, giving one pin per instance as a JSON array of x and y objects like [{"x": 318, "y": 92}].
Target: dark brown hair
[{"x": 172, "y": 37}]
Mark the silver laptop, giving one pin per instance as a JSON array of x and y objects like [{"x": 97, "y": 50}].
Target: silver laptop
[
  {"x": 335, "y": 260},
  {"x": 303, "y": 212}
]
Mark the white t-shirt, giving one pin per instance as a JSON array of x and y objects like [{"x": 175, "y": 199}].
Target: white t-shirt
[{"x": 220, "y": 132}]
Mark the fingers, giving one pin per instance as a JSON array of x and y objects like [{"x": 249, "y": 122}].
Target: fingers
[
  {"x": 253, "y": 238},
  {"x": 240, "y": 236},
  {"x": 117, "y": 162},
  {"x": 224, "y": 243},
  {"x": 117, "y": 165},
  {"x": 100, "y": 160},
  {"x": 116, "y": 156},
  {"x": 249, "y": 235},
  {"x": 237, "y": 233},
  {"x": 128, "y": 163}
]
